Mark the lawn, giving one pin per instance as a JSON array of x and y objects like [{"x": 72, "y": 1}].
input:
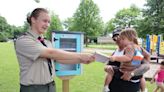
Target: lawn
[
  {"x": 103, "y": 46},
  {"x": 91, "y": 80}
]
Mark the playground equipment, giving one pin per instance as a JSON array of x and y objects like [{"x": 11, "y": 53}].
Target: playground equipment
[
  {"x": 69, "y": 41},
  {"x": 155, "y": 46}
]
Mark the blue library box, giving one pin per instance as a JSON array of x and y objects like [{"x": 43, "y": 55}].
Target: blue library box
[{"x": 69, "y": 41}]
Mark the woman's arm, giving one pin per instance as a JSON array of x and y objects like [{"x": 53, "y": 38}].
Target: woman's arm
[
  {"x": 64, "y": 56},
  {"x": 146, "y": 54},
  {"x": 143, "y": 68}
]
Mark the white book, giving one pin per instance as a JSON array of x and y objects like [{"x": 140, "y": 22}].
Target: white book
[{"x": 100, "y": 57}]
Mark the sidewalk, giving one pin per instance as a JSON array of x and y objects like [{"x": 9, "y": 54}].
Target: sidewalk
[
  {"x": 149, "y": 74},
  {"x": 153, "y": 67},
  {"x": 92, "y": 50}
]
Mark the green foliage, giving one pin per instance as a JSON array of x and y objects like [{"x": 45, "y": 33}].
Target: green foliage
[
  {"x": 26, "y": 26},
  {"x": 153, "y": 17},
  {"x": 68, "y": 23},
  {"x": 4, "y": 28},
  {"x": 3, "y": 24},
  {"x": 110, "y": 26},
  {"x": 17, "y": 31},
  {"x": 144, "y": 28},
  {"x": 9, "y": 31},
  {"x": 54, "y": 25},
  {"x": 3, "y": 38},
  {"x": 87, "y": 19},
  {"x": 127, "y": 17}
]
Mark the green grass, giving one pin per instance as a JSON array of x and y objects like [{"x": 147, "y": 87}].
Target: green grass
[
  {"x": 150, "y": 86},
  {"x": 9, "y": 71},
  {"x": 91, "y": 79},
  {"x": 103, "y": 46}
]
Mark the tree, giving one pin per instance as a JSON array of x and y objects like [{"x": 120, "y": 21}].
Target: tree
[
  {"x": 153, "y": 16},
  {"x": 18, "y": 31},
  {"x": 3, "y": 24},
  {"x": 127, "y": 17},
  {"x": 68, "y": 23},
  {"x": 26, "y": 26},
  {"x": 54, "y": 25},
  {"x": 4, "y": 29},
  {"x": 87, "y": 19},
  {"x": 110, "y": 26}
]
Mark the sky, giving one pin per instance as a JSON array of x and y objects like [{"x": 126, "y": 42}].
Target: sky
[{"x": 15, "y": 11}]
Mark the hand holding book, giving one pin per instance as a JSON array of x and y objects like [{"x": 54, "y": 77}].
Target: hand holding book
[{"x": 100, "y": 57}]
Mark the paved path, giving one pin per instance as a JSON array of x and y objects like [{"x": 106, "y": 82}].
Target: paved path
[
  {"x": 92, "y": 50},
  {"x": 153, "y": 67},
  {"x": 149, "y": 74}
]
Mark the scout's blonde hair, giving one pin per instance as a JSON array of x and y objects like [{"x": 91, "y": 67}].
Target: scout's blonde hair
[{"x": 130, "y": 34}]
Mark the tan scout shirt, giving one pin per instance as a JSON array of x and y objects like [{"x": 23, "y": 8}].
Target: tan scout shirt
[{"x": 33, "y": 69}]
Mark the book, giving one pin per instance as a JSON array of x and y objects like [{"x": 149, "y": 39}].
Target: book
[{"x": 100, "y": 57}]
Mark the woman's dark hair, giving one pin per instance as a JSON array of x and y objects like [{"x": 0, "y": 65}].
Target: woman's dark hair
[
  {"x": 35, "y": 13},
  {"x": 162, "y": 63}
]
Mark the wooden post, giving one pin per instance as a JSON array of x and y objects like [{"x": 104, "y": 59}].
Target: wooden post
[
  {"x": 65, "y": 85},
  {"x": 65, "y": 82}
]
